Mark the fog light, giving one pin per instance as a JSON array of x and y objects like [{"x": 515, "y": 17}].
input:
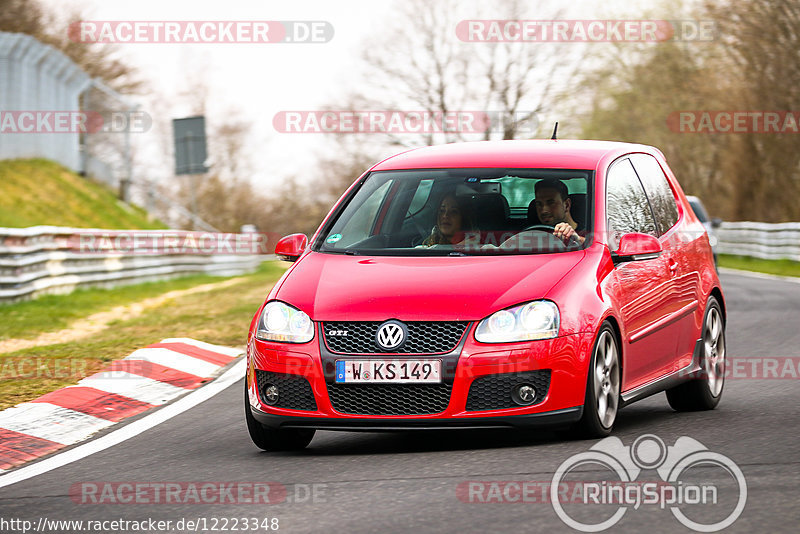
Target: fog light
[
  {"x": 524, "y": 394},
  {"x": 271, "y": 394}
]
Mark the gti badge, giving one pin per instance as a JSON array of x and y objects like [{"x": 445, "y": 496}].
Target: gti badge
[
  {"x": 342, "y": 333},
  {"x": 391, "y": 335}
]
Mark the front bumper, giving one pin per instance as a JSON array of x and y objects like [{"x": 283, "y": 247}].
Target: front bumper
[
  {"x": 371, "y": 424},
  {"x": 565, "y": 358}
]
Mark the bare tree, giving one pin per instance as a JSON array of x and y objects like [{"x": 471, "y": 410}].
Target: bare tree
[
  {"x": 761, "y": 39},
  {"x": 422, "y": 63},
  {"x": 97, "y": 60},
  {"x": 750, "y": 66},
  {"x": 224, "y": 197}
]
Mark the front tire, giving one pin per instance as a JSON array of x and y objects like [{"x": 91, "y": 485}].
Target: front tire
[
  {"x": 705, "y": 392},
  {"x": 273, "y": 439},
  {"x": 602, "y": 387}
]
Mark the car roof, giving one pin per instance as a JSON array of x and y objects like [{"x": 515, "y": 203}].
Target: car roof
[{"x": 541, "y": 153}]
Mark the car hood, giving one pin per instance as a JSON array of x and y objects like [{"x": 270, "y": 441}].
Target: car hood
[{"x": 334, "y": 287}]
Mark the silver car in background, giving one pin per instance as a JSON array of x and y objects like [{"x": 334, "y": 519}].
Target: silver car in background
[{"x": 710, "y": 224}]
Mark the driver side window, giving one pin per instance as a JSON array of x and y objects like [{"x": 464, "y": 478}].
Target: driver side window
[{"x": 360, "y": 227}]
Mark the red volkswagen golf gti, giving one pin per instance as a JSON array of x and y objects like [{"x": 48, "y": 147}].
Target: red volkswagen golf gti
[{"x": 490, "y": 284}]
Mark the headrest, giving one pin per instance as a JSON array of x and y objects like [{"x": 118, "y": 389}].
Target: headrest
[{"x": 491, "y": 211}]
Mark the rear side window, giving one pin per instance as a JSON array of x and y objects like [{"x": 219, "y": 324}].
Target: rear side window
[
  {"x": 658, "y": 191},
  {"x": 627, "y": 207}
]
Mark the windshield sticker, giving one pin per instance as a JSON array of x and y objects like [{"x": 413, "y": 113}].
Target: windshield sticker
[{"x": 334, "y": 238}]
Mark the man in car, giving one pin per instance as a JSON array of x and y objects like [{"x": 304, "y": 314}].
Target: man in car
[{"x": 553, "y": 208}]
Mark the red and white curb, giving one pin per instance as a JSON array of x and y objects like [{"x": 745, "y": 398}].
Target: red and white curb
[{"x": 149, "y": 377}]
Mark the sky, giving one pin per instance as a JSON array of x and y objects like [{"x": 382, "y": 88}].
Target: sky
[{"x": 255, "y": 81}]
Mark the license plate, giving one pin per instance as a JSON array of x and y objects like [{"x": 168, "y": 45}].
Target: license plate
[{"x": 389, "y": 371}]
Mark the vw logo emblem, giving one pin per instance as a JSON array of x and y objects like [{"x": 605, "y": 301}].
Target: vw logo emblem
[{"x": 391, "y": 335}]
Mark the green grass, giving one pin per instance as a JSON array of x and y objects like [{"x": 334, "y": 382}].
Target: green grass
[
  {"x": 26, "y": 320},
  {"x": 778, "y": 267},
  {"x": 219, "y": 316},
  {"x": 40, "y": 192}
]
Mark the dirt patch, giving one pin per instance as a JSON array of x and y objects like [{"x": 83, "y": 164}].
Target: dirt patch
[{"x": 98, "y": 322}]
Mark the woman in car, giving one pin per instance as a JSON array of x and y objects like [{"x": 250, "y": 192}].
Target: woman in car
[{"x": 453, "y": 219}]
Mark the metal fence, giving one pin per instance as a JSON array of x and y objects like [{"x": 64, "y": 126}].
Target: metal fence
[
  {"x": 760, "y": 240},
  {"x": 48, "y": 259},
  {"x": 37, "y": 77}
]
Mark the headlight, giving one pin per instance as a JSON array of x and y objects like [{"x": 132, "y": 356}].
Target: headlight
[
  {"x": 534, "y": 320},
  {"x": 281, "y": 322}
]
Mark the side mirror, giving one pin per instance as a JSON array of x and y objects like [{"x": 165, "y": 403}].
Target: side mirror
[
  {"x": 716, "y": 222},
  {"x": 636, "y": 247},
  {"x": 290, "y": 247}
]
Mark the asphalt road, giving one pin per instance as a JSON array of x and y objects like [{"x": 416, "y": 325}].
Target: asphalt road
[{"x": 409, "y": 482}]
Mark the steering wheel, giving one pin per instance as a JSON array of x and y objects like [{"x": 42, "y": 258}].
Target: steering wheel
[
  {"x": 542, "y": 227},
  {"x": 573, "y": 239}
]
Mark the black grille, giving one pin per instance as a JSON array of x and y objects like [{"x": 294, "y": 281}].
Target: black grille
[
  {"x": 294, "y": 392},
  {"x": 390, "y": 399},
  {"x": 423, "y": 337},
  {"x": 494, "y": 391}
]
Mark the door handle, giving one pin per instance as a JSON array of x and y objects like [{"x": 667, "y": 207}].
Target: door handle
[{"x": 673, "y": 266}]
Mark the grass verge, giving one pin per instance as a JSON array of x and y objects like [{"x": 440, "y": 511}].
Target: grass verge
[
  {"x": 38, "y": 191},
  {"x": 745, "y": 263},
  {"x": 48, "y": 313},
  {"x": 218, "y": 316}
]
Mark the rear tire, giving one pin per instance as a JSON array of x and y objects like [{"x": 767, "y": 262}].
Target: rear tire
[
  {"x": 705, "y": 392},
  {"x": 601, "y": 403},
  {"x": 273, "y": 439}
]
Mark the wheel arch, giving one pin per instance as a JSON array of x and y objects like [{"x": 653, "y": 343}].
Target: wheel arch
[
  {"x": 618, "y": 335},
  {"x": 716, "y": 292}
]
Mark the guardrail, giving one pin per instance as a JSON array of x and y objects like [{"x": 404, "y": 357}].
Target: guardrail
[
  {"x": 49, "y": 259},
  {"x": 760, "y": 240}
]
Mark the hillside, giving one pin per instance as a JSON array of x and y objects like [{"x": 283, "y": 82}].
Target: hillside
[{"x": 40, "y": 192}]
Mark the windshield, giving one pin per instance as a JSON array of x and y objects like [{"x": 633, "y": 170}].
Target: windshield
[{"x": 462, "y": 211}]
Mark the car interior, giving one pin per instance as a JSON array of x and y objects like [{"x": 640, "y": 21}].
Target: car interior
[{"x": 405, "y": 212}]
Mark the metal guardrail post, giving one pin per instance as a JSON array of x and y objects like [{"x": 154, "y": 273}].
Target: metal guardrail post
[{"x": 48, "y": 259}]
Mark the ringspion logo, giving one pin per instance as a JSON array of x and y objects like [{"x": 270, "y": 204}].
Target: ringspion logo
[{"x": 704, "y": 506}]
